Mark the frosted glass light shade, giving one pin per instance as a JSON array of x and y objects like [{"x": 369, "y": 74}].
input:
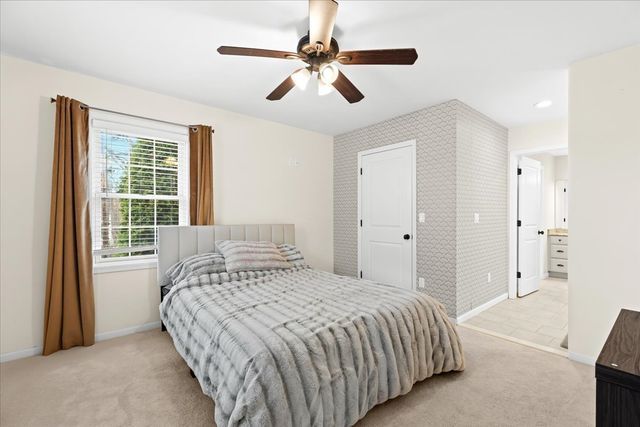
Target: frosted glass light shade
[
  {"x": 328, "y": 72},
  {"x": 301, "y": 78},
  {"x": 324, "y": 88}
]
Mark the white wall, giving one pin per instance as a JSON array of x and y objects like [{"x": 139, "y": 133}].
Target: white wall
[
  {"x": 548, "y": 134},
  {"x": 604, "y": 145},
  {"x": 253, "y": 184},
  {"x": 562, "y": 167}
]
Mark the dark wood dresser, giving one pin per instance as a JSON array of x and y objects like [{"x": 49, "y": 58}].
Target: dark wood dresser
[{"x": 618, "y": 374}]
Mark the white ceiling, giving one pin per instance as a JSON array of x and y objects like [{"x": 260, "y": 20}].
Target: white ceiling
[{"x": 498, "y": 57}]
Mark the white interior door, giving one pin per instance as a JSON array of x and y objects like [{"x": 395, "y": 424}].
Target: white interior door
[
  {"x": 529, "y": 213},
  {"x": 386, "y": 212}
]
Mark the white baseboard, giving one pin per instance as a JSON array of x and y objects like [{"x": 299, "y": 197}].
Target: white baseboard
[
  {"x": 20, "y": 354},
  {"x": 35, "y": 351},
  {"x": 127, "y": 331},
  {"x": 479, "y": 309},
  {"x": 587, "y": 360}
]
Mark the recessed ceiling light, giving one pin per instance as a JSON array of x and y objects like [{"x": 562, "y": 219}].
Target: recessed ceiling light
[{"x": 543, "y": 104}]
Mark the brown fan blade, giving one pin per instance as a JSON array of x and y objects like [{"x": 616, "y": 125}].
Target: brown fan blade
[
  {"x": 249, "y": 51},
  {"x": 379, "y": 56},
  {"x": 282, "y": 89},
  {"x": 347, "y": 89},
  {"x": 322, "y": 18}
]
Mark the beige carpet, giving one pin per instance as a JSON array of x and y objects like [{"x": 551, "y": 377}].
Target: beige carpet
[{"x": 140, "y": 380}]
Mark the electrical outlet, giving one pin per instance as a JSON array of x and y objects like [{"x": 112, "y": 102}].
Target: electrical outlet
[
  {"x": 293, "y": 162},
  {"x": 476, "y": 218},
  {"x": 421, "y": 282},
  {"x": 488, "y": 277},
  {"x": 421, "y": 217}
]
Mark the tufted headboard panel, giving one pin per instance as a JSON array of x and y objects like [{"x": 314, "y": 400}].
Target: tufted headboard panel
[{"x": 178, "y": 242}]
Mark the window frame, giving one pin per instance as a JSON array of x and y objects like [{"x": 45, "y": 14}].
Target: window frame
[{"x": 140, "y": 128}]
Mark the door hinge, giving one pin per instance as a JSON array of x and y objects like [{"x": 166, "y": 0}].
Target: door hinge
[
  {"x": 360, "y": 223},
  {"x": 519, "y": 276},
  {"x": 519, "y": 223},
  {"x": 360, "y": 171},
  {"x": 361, "y": 274},
  {"x": 519, "y": 171}
]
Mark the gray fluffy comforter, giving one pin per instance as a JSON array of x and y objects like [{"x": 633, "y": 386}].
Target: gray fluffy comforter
[{"x": 303, "y": 347}]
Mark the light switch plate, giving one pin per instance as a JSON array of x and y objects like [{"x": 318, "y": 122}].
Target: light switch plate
[
  {"x": 421, "y": 282},
  {"x": 488, "y": 277},
  {"x": 476, "y": 218},
  {"x": 421, "y": 217}
]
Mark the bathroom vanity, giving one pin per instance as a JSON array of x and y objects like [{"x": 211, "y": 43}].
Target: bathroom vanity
[{"x": 558, "y": 252}]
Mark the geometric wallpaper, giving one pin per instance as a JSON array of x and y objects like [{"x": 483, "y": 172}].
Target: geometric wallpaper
[
  {"x": 481, "y": 178},
  {"x": 438, "y": 131}
]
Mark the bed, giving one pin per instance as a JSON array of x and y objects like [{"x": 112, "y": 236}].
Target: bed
[{"x": 297, "y": 346}]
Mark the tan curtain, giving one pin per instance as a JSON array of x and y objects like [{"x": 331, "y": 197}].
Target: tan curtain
[
  {"x": 69, "y": 318},
  {"x": 201, "y": 175}
]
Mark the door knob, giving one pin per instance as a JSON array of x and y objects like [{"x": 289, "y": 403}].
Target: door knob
[
  {"x": 406, "y": 236},
  {"x": 540, "y": 232}
]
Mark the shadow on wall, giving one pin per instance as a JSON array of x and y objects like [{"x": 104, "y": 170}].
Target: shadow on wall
[{"x": 41, "y": 203}]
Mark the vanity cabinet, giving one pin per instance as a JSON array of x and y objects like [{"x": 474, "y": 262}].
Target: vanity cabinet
[{"x": 558, "y": 253}]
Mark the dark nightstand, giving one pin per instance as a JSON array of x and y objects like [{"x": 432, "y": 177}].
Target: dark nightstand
[{"x": 618, "y": 374}]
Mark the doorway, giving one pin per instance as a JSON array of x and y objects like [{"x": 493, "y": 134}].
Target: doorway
[
  {"x": 386, "y": 214},
  {"x": 536, "y": 312}
]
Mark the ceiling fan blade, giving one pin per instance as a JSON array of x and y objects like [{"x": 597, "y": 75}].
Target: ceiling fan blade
[
  {"x": 282, "y": 89},
  {"x": 347, "y": 89},
  {"x": 379, "y": 56},
  {"x": 322, "y": 18},
  {"x": 249, "y": 51}
]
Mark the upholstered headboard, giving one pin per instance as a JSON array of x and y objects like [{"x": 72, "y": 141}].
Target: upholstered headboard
[{"x": 178, "y": 242}]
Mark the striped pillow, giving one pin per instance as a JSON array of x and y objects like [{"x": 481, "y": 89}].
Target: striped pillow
[
  {"x": 195, "y": 265},
  {"x": 251, "y": 256},
  {"x": 292, "y": 254}
]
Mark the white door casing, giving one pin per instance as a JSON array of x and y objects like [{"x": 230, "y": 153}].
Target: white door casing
[
  {"x": 562, "y": 204},
  {"x": 529, "y": 212},
  {"x": 386, "y": 209}
]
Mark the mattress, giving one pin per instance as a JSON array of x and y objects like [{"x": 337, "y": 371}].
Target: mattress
[{"x": 302, "y": 347}]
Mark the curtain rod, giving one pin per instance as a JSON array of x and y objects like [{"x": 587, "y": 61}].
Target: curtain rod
[{"x": 53, "y": 100}]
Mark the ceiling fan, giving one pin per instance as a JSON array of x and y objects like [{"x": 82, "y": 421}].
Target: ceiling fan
[{"x": 321, "y": 53}]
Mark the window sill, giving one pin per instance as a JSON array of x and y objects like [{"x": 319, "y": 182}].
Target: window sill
[{"x": 111, "y": 267}]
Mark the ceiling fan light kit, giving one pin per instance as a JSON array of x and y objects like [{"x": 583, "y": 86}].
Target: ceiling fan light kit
[
  {"x": 328, "y": 72},
  {"x": 320, "y": 51},
  {"x": 301, "y": 77},
  {"x": 323, "y": 87}
]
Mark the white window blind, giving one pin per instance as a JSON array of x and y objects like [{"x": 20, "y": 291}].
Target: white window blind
[{"x": 139, "y": 172}]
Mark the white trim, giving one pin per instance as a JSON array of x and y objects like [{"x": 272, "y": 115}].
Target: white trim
[
  {"x": 20, "y": 354},
  {"x": 513, "y": 211},
  {"x": 128, "y": 331},
  {"x": 587, "y": 360},
  {"x": 479, "y": 309},
  {"x": 36, "y": 351},
  {"x": 129, "y": 265},
  {"x": 410, "y": 143},
  {"x": 139, "y": 126}
]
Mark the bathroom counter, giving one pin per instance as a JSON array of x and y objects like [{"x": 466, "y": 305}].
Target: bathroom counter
[{"x": 558, "y": 232}]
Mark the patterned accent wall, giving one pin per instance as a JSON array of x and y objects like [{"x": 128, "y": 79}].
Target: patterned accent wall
[
  {"x": 455, "y": 147},
  {"x": 481, "y": 188},
  {"x": 434, "y": 130}
]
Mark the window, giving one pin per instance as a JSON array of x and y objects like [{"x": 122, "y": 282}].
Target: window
[{"x": 139, "y": 172}]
